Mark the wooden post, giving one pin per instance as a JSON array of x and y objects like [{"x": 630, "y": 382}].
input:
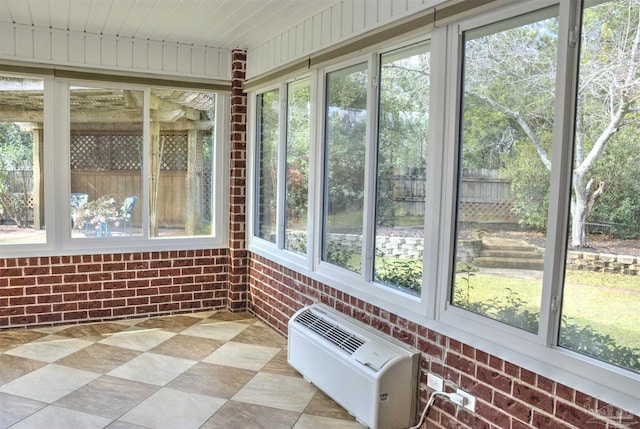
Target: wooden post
[
  {"x": 38, "y": 178},
  {"x": 194, "y": 178},
  {"x": 154, "y": 186}
]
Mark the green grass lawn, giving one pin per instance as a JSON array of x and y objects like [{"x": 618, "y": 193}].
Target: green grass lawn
[{"x": 609, "y": 303}]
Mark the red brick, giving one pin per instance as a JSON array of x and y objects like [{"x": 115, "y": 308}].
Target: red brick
[
  {"x": 511, "y": 406},
  {"x": 533, "y": 397}
]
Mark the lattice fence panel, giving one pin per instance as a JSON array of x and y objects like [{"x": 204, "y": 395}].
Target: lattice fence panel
[
  {"x": 126, "y": 152},
  {"x": 175, "y": 151},
  {"x": 495, "y": 211},
  {"x": 90, "y": 151}
]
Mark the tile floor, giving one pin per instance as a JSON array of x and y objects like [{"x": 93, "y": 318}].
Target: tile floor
[{"x": 206, "y": 370}]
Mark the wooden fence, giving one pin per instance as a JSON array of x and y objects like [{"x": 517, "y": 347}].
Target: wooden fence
[{"x": 484, "y": 195}]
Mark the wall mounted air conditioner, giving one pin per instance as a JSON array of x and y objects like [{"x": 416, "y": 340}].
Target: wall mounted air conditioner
[{"x": 373, "y": 376}]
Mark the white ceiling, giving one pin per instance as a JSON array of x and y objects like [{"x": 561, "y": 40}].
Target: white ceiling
[{"x": 213, "y": 23}]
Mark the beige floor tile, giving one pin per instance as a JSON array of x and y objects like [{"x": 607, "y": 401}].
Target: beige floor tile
[
  {"x": 93, "y": 331},
  {"x": 53, "y": 417},
  {"x": 153, "y": 369},
  {"x": 277, "y": 391},
  {"x": 100, "y": 358},
  {"x": 187, "y": 347},
  {"x": 212, "y": 380},
  {"x": 307, "y": 421},
  {"x": 261, "y": 336},
  {"x": 138, "y": 339},
  {"x": 279, "y": 365},
  {"x": 172, "y": 323},
  {"x": 49, "y": 349},
  {"x": 242, "y": 316},
  {"x": 14, "y": 408},
  {"x": 248, "y": 416},
  {"x": 172, "y": 409},
  {"x": 15, "y": 338},
  {"x": 12, "y": 367},
  {"x": 322, "y": 405},
  {"x": 239, "y": 355},
  {"x": 215, "y": 330},
  {"x": 49, "y": 383},
  {"x": 107, "y": 396},
  {"x": 124, "y": 425}
]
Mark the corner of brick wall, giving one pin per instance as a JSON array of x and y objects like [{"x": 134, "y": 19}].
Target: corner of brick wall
[
  {"x": 508, "y": 396},
  {"x": 238, "y": 257}
]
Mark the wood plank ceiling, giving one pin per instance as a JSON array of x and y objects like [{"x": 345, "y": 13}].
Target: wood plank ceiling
[{"x": 213, "y": 23}]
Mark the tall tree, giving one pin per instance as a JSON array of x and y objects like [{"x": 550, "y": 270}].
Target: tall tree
[{"x": 514, "y": 76}]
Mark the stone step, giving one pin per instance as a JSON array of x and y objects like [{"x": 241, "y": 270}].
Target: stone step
[
  {"x": 507, "y": 253},
  {"x": 513, "y": 263},
  {"x": 498, "y": 243}
]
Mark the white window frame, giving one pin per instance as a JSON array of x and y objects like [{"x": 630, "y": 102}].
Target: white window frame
[{"x": 57, "y": 181}]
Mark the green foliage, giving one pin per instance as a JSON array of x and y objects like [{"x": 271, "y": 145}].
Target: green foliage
[
  {"x": 401, "y": 273},
  {"x": 339, "y": 254},
  {"x": 15, "y": 171},
  {"x": 346, "y": 138}
]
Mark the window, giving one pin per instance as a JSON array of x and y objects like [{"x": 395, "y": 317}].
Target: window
[
  {"x": 403, "y": 128},
  {"x": 345, "y": 148},
  {"x": 268, "y": 113},
  {"x": 105, "y": 146},
  {"x": 507, "y": 113},
  {"x": 125, "y": 164},
  {"x": 22, "y": 196},
  {"x": 481, "y": 241},
  {"x": 297, "y": 153},
  {"x": 600, "y": 304},
  {"x": 181, "y": 153}
]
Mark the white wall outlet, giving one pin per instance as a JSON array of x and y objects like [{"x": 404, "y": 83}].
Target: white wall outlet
[
  {"x": 470, "y": 402},
  {"x": 434, "y": 382}
]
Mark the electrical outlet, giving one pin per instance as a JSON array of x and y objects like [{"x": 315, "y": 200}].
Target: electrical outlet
[
  {"x": 470, "y": 400},
  {"x": 434, "y": 382}
]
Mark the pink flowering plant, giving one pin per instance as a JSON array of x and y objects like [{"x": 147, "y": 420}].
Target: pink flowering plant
[{"x": 93, "y": 215}]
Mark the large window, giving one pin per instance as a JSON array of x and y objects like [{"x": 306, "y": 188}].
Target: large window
[
  {"x": 403, "y": 128},
  {"x": 345, "y": 147},
  {"x": 22, "y": 197},
  {"x": 601, "y": 303},
  {"x": 108, "y": 162},
  {"x": 181, "y": 154},
  {"x": 466, "y": 196},
  {"x": 105, "y": 147},
  {"x": 506, "y": 125},
  {"x": 297, "y": 153},
  {"x": 268, "y": 113}
]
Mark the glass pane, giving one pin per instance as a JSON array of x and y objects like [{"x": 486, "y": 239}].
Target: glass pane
[
  {"x": 21, "y": 161},
  {"x": 403, "y": 128},
  {"x": 106, "y": 160},
  {"x": 601, "y": 301},
  {"x": 269, "y": 113},
  {"x": 346, "y": 121},
  {"x": 181, "y": 144},
  {"x": 505, "y": 145},
  {"x": 298, "y": 135}
]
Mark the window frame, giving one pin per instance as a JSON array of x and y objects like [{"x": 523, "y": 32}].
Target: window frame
[
  {"x": 539, "y": 351},
  {"x": 57, "y": 179}
]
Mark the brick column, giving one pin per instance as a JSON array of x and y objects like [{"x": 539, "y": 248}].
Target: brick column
[{"x": 238, "y": 258}]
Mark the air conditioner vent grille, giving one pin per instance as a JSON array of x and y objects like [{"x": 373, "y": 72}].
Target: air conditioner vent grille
[{"x": 330, "y": 331}]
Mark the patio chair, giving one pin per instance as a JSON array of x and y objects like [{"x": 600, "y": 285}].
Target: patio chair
[{"x": 127, "y": 212}]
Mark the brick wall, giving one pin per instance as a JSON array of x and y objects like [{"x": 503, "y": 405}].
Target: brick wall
[
  {"x": 238, "y": 185},
  {"x": 63, "y": 289},
  {"x": 508, "y": 396}
]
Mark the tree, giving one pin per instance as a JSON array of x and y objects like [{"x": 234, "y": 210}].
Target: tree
[
  {"x": 15, "y": 172},
  {"x": 514, "y": 71}
]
